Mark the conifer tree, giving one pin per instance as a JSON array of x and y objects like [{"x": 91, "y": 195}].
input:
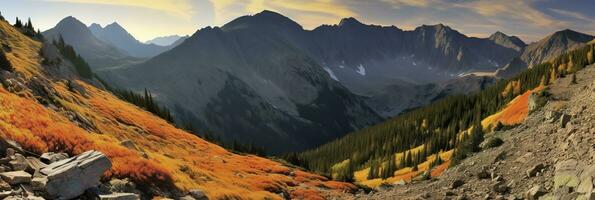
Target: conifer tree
[{"x": 18, "y": 23}]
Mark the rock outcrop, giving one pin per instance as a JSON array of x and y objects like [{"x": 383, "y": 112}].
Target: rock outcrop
[{"x": 70, "y": 178}]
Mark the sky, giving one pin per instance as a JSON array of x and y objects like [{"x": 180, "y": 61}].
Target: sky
[{"x": 530, "y": 20}]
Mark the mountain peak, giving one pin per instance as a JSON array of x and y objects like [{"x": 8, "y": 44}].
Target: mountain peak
[
  {"x": 265, "y": 18},
  {"x": 95, "y": 25},
  {"x": 350, "y": 21},
  {"x": 568, "y": 34},
  {"x": 70, "y": 20}
]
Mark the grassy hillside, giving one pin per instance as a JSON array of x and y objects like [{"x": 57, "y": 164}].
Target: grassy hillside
[
  {"x": 76, "y": 119},
  {"x": 439, "y": 127}
]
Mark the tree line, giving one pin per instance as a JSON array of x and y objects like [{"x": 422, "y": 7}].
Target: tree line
[{"x": 436, "y": 126}]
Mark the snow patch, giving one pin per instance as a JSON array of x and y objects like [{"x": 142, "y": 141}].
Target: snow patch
[
  {"x": 341, "y": 66},
  {"x": 414, "y": 64},
  {"x": 361, "y": 70},
  {"x": 331, "y": 73}
]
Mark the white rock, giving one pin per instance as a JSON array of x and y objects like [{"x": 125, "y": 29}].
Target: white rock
[{"x": 70, "y": 178}]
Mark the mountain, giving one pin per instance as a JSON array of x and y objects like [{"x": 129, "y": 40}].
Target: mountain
[
  {"x": 165, "y": 40},
  {"x": 504, "y": 40},
  {"x": 117, "y": 36},
  {"x": 98, "y": 53},
  {"x": 286, "y": 102},
  {"x": 546, "y": 49},
  {"x": 45, "y": 109},
  {"x": 262, "y": 69}
]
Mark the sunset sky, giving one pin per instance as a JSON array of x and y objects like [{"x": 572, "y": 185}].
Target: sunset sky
[{"x": 146, "y": 19}]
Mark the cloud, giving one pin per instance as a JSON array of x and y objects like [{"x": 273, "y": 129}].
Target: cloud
[
  {"x": 309, "y": 13},
  {"x": 571, "y": 14},
  {"x": 178, "y": 8}
]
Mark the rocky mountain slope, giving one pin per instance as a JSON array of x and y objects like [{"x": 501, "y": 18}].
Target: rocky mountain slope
[
  {"x": 45, "y": 107},
  {"x": 549, "y": 156},
  {"x": 117, "y": 36},
  {"x": 98, "y": 53},
  {"x": 261, "y": 58},
  {"x": 545, "y": 50}
]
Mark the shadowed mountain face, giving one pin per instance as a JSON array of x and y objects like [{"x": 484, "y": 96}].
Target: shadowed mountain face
[
  {"x": 117, "y": 36},
  {"x": 544, "y": 50},
  {"x": 265, "y": 80},
  {"x": 98, "y": 53}
]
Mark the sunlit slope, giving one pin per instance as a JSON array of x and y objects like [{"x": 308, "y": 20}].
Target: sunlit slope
[{"x": 87, "y": 118}]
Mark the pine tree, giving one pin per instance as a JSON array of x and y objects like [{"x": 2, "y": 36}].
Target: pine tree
[
  {"x": 573, "y": 79},
  {"x": 18, "y": 23}
]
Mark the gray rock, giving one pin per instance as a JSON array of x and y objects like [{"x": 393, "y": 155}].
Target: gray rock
[
  {"x": 531, "y": 172},
  {"x": 197, "y": 194},
  {"x": 534, "y": 193},
  {"x": 119, "y": 196},
  {"x": 51, "y": 157},
  {"x": 70, "y": 178},
  {"x": 16, "y": 177},
  {"x": 38, "y": 183}
]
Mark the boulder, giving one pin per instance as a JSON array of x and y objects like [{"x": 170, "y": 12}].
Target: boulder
[
  {"x": 70, "y": 178},
  {"x": 119, "y": 196},
  {"x": 534, "y": 193},
  {"x": 51, "y": 157},
  {"x": 531, "y": 172},
  {"x": 16, "y": 177},
  {"x": 491, "y": 142}
]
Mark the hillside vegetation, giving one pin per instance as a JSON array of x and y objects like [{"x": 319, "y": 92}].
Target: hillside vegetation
[
  {"x": 439, "y": 127},
  {"x": 46, "y": 113}
]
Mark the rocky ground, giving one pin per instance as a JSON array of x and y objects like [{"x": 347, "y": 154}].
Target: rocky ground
[
  {"x": 25, "y": 175},
  {"x": 549, "y": 156}
]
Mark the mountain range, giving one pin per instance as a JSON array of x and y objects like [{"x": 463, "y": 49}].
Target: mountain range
[
  {"x": 104, "y": 47},
  {"x": 356, "y": 70},
  {"x": 362, "y": 73}
]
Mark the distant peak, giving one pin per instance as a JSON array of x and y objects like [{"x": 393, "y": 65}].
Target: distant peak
[
  {"x": 70, "y": 21},
  {"x": 114, "y": 25},
  {"x": 95, "y": 25},
  {"x": 349, "y": 21}
]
